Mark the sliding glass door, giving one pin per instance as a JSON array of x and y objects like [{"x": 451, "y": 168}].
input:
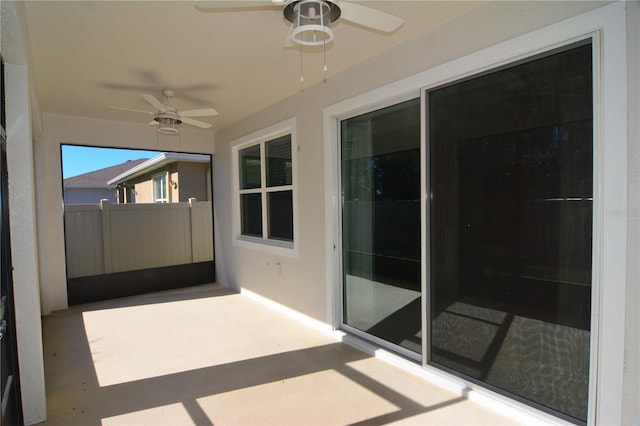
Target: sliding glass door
[
  {"x": 510, "y": 233},
  {"x": 507, "y": 239},
  {"x": 380, "y": 159}
]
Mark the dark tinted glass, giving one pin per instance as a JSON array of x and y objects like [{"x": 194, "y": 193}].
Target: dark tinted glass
[
  {"x": 511, "y": 180},
  {"x": 278, "y": 152},
  {"x": 381, "y": 223},
  {"x": 280, "y": 215},
  {"x": 251, "y": 205},
  {"x": 250, "y": 167}
]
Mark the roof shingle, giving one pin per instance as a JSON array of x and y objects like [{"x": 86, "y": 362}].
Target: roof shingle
[{"x": 99, "y": 178}]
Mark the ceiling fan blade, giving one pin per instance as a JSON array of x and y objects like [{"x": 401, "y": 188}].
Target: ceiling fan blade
[
  {"x": 153, "y": 101},
  {"x": 371, "y": 18},
  {"x": 196, "y": 123},
  {"x": 132, "y": 110},
  {"x": 237, "y": 4},
  {"x": 205, "y": 112},
  {"x": 153, "y": 123}
]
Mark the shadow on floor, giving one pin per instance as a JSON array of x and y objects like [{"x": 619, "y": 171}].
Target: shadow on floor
[{"x": 322, "y": 382}]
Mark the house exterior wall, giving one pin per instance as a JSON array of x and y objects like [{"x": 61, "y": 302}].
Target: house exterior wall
[
  {"x": 631, "y": 383},
  {"x": 89, "y": 195},
  {"x": 173, "y": 190},
  {"x": 23, "y": 154},
  {"x": 20, "y": 158},
  {"x": 191, "y": 179},
  {"x": 185, "y": 180},
  {"x": 304, "y": 282},
  {"x": 144, "y": 191}
]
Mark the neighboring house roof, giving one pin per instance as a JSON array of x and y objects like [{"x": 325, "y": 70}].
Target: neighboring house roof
[
  {"x": 100, "y": 178},
  {"x": 156, "y": 163}
]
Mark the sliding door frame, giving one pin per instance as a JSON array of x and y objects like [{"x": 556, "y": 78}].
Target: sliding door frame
[
  {"x": 339, "y": 211},
  {"x": 593, "y": 39},
  {"x": 606, "y": 26}
]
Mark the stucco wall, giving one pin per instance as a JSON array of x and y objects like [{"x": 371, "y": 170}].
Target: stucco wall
[
  {"x": 173, "y": 191},
  {"x": 144, "y": 191},
  {"x": 631, "y": 384},
  {"x": 22, "y": 156},
  {"x": 192, "y": 182},
  {"x": 20, "y": 159}
]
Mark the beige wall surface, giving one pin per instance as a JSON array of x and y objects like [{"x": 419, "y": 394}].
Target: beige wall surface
[
  {"x": 173, "y": 189},
  {"x": 23, "y": 157},
  {"x": 631, "y": 387},
  {"x": 191, "y": 181},
  {"x": 144, "y": 192}
]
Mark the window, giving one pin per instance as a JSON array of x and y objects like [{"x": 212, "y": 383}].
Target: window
[
  {"x": 160, "y": 189},
  {"x": 265, "y": 189}
]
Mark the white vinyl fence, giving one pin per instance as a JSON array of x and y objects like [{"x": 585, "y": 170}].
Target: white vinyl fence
[{"x": 106, "y": 238}]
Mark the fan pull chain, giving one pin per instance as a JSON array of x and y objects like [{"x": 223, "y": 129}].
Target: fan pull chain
[
  {"x": 324, "y": 56},
  {"x": 301, "y": 74}
]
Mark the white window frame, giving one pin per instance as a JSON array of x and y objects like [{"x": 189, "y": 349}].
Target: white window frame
[
  {"x": 606, "y": 26},
  {"x": 264, "y": 243},
  {"x": 154, "y": 179}
]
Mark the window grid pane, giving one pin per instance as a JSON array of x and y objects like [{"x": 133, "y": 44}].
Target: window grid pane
[
  {"x": 160, "y": 189},
  {"x": 280, "y": 216},
  {"x": 251, "y": 208},
  {"x": 278, "y": 161},
  {"x": 250, "y": 168}
]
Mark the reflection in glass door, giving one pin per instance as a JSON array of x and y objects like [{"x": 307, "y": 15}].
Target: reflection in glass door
[
  {"x": 511, "y": 181},
  {"x": 380, "y": 164}
]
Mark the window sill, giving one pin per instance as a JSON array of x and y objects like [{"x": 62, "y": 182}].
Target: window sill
[{"x": 281, "y": 248}]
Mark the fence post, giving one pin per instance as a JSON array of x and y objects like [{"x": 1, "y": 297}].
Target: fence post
[
  {"x": 192, "y": 202},
  {"x": 106, "y": 235}
]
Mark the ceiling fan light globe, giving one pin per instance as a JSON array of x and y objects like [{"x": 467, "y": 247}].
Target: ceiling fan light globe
[
  {"x": 311, "y": 21},
  {"x": 312, "y": 35},
  {"x": 168, "y": 125}
]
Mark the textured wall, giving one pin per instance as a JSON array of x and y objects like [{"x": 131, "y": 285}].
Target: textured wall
[{"x": 631, "y": 387}]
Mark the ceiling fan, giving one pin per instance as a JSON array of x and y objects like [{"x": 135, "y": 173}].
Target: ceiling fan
[
  {"x": 311, "y": 19},
  {"x": 167, "y": 117}
]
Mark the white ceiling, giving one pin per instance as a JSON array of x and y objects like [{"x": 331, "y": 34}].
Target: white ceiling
[{"x": 89, "y": 55}]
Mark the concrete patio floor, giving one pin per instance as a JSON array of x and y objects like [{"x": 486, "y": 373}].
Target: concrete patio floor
[{"x": 207, "y": 356}]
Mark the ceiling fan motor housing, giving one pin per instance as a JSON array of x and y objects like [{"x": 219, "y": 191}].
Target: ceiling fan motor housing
[{"x": 167, "y": 116}]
